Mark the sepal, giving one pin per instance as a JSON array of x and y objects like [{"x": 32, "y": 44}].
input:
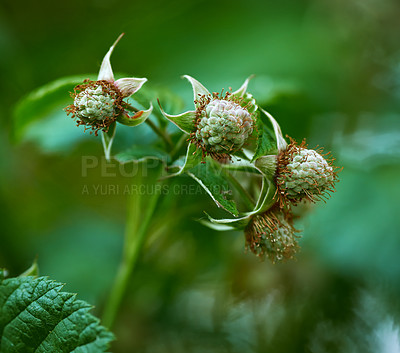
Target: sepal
[
  {"x": 128, "y": 86},
  {"x": 198, "y": 89},
  {"x": 267, "y": 165},
  {"x": 106, "y": 72},
  {"x": 135, "y": 119},
  {"x": 281, "y": 143},
  {"x": 185, "y": 121},
  {"x": 246, "y": 98},
  {"x": 192, "y": 159}
]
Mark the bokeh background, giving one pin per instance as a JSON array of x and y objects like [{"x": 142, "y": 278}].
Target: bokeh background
[{"x": 328, "y": 70}]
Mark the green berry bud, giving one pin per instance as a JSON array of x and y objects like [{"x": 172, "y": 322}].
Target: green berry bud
[
  {"x": 97, "y": 104},
  {"x": 94, "y": 104},
  {"x": 223, "y": 126},
  {"x": 272, "y": 235},
  {"x": 304, "y": 174}
]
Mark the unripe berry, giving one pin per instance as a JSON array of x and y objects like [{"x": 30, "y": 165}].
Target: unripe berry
[
  {"x": 304, "y": 174},
  {"x": 223, "y": 125},
  {"x": 272, "y": 235},
  {"x": 94, "y": 104},
  {"x": 97, "y": 104}
]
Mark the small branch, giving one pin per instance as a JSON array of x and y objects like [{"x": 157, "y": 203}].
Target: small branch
[
  {"x": 160, "y": 133},
  {"x": 139, "y": 215},
  {"x": 178, "y": 146}
]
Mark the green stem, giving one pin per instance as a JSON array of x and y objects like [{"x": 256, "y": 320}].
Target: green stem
[
  {"x": 247, "y": 199},
  {"x": 160, "y": 133},
  {"x": 178, "y": 146},
  {"x": 139, "y": 215}
]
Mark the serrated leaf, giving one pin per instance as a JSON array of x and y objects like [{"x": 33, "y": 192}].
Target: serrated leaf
[
  {"x": 211, "y": 178},
  {"x": 141, "y": 153},
  {"x": 36, "y": 316}
]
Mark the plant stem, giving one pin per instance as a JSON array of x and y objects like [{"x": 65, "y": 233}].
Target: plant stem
[
  {"x": 178, "y": 146},
  {"x": 160, "y": 133},
  {"x": 247, "y": 199},
  {"x": 139, "y": 215}
]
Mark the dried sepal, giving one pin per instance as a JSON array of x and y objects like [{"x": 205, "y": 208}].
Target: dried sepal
[{"x": 129, "y": 85}]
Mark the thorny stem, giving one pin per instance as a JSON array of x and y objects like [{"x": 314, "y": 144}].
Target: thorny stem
[
  {"x": 166, "y": 138},
  {"x": 139, "y": 215}
]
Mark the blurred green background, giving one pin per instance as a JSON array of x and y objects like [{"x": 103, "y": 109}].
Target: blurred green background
[{"x": 328, "y": 70}]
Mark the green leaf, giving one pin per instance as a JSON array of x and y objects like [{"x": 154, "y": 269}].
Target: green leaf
[
  {"x": 42, "y": 102},
  {"x": 211, "y": 178},
  {"x": 141, "y": 153},
  {"x": 266, "y": 143},
  {"x": 36, "y": 316}
]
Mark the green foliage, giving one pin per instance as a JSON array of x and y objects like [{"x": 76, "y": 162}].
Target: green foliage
[
  {"x": 266, "y": 143},
  {"x": 140, "y": 153},
  {"x": 36, "y": 316},
  {"x": 40, "y": 117},
  {"x": 42, "y": 102},
  {"x": 211, "y": 178},
  {"x": 193, "y": 158}
]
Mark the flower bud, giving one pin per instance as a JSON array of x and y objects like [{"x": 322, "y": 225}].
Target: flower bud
[
  {"x": 272, "y": 235},
  {"x": 223, "y": 125},
  {"x": 304, "y": 174}
]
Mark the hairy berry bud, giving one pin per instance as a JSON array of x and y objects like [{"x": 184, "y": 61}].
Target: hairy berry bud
[
  {"x": 223, "y": 125},
  {"x": 96, "y": 104},
  {"x": 304, "y": 174},
  {"x": 272, "y": 235}
]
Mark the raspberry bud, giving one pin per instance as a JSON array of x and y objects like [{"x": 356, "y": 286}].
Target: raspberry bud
[
  {"x": 96, "y": 104},
  {"x": 272, "y": 235},
  {"x": 304, "y": 174},
  {"x": 223, "y": 125}
]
